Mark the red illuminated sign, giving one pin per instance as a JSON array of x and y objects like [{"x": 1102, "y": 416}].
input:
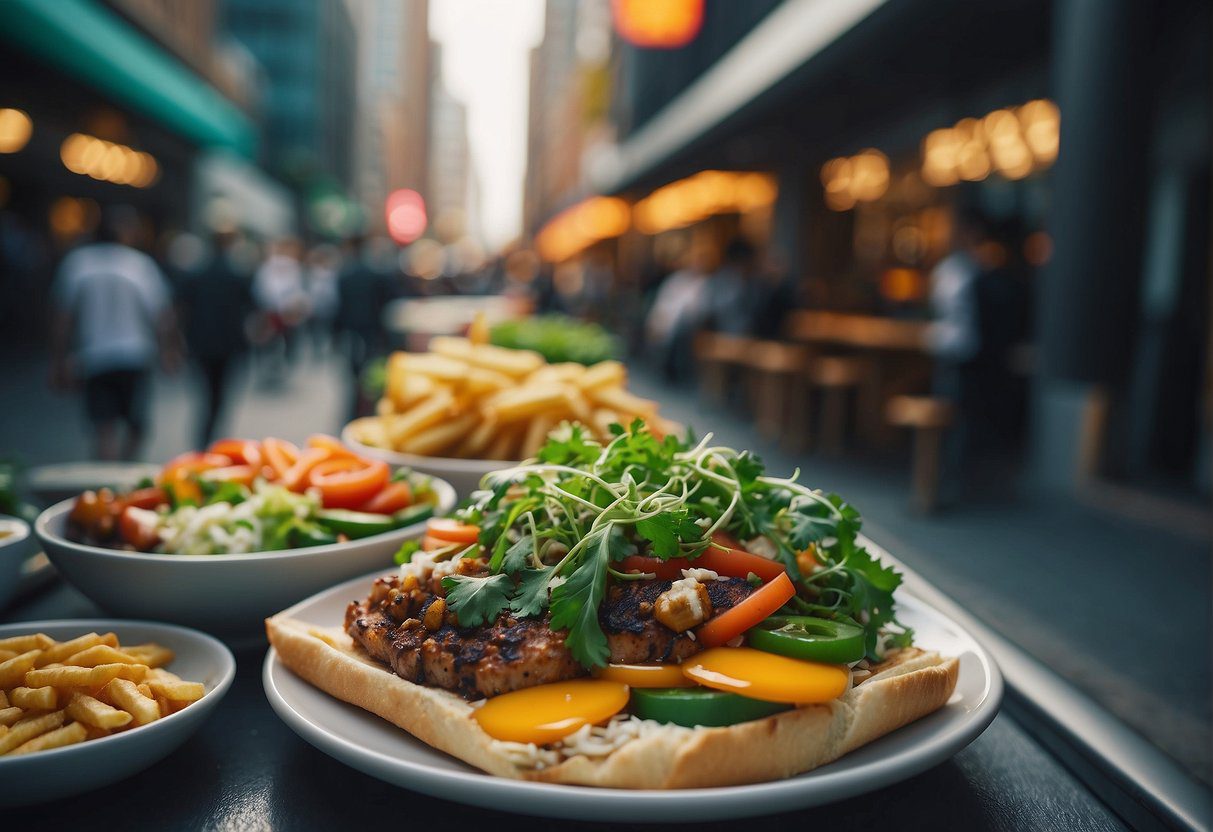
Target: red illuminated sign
[
  {"x": 658, "y": 24},
  {"x": 405, "y": 214}
]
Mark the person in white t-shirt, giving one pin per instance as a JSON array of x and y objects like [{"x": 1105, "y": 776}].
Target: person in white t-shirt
[{"x": 113, "y": 319}]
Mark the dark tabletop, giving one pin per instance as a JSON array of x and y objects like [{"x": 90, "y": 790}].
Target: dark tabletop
[{"x": 245, "y": 770}]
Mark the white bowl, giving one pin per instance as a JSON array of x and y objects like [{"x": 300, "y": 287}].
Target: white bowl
[
  {"x": 16, "y": 545},
  {"x": 463, "y": 474},
  {"x": 63, "y": 772},
  {"x": 218, "y": 593}
]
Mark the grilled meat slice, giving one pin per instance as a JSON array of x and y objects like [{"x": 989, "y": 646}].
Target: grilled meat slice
[
  {"x": 474, "y": 661},
  {"x": 512, "y": 653},
  {"x": 626, "y": 616}
]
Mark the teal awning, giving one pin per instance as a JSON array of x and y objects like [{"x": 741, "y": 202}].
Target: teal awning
[{"x": 92, "y": 44}]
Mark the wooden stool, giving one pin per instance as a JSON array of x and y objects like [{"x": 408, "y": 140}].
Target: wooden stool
[
  {"x": 778, "y": 388},
  {"x": 929, "y": 417},
  {"x": 715, "y": 354},
  {"x": 836, "y": 376}
]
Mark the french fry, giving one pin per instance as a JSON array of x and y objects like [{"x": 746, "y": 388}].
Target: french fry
[
  {"x": 482, "y": 381},
  {"x": 101, "y": 654},
  {"x": 93, "y": 712},
  {"x": 84, "y": 677},
  {"x": 536, "y": 434},
  {"x": 13, "y": 671},
  {"x": 515, "y": 363},
  {"x": 35, "y": 699},
  {"x": 603, "y": 374},
  {"x": 385, "y": 407},
  {"x": 601, "y": 420},
  {"x": 505, "y": 445},
  {"x": 23, "y": 644},
  {"x": 69, "y": 648},
  {"x": 478, "y": 439},
  {"x": 404, "y": 387},
  {"x": 577, "y": 404},
  {"x": 27, "y": 729},
  {"x": 5, "y": 655},
  {"x": 371, "y": 432},
  {"x": 437, "y": 367},
  {"x": 478, "y": 330},
  {"x": 67, "y": 735},
  {"x": 626, "y": 403},
  {"x": 524, "y": 402},
  {"x": 10, "y": 715},
  {"x": 151, "y": 654},
  {"x": 122, "y": 693},
  {"x": 434, "y": 440},
  {"x": 426, "y": 414},
  {"x": 3, "y": 699},
  {"x": 457, "y": 348},
  {"x": 566, "y": 373}
]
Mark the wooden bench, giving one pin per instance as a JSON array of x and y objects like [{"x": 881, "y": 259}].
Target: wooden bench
[
  {"x": 716, "y": 355},
  {"x": 778, "y": 388},
  {"x": 929, "y": 418},
  {"x": 837, "y": 377}
]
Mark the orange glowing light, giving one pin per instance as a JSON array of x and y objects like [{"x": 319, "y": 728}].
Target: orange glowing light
[
  {"x": 577, "y": 228},
  {"x": 15, "y": 129},
  {"x": 863, "y": 177},
  {"x": 1012, "y": 142},
  {"x": 404, "y": 211},
  {"x": 657, "y": 24}
]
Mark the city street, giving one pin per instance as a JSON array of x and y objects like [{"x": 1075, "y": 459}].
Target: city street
[{"x": 1030, "y": 574}]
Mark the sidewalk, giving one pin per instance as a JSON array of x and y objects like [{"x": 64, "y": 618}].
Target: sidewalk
[
  {"x": 43, "y": 426},
  {"x": 1120, "y": 609}
]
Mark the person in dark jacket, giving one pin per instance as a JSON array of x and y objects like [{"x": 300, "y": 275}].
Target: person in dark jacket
[
  {"x": 214, "y": 303},
  {"x": 366, "y": 283}
]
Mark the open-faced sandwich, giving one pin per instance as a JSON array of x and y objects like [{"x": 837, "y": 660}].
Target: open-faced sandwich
[{"x": 639, "y": 613}]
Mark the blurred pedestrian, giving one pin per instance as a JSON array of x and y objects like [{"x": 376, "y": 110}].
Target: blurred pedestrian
[
  {"x": 112, "y": 318},
  {"x": 677, "y": 314},
  {"x": 320, "y": 283},
  {"x": 281, "y": 299},
  {"x": 729, "y": 298},
  {"x": 368, "y": 280},
  {"x": 214, "y": 302}
]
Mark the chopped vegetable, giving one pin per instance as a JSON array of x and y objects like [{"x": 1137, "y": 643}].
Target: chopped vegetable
[
  {"x": 736, "y": 620},
  {"x": 767, "y": 676},
  {"x": 694, "y": 706}
]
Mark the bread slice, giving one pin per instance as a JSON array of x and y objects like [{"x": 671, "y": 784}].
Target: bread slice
[{"x": 909, "y": 685}]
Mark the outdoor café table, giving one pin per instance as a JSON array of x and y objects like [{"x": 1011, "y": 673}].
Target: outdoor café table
[{"x": 245, "y": 770}]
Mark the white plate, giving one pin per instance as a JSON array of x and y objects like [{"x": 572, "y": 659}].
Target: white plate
[
  {"x": 224, "y": 594},
  {"x": 463, "y": 474},
  {"x": 376, "y": 747},
  {"x": 75, "y": 769}
]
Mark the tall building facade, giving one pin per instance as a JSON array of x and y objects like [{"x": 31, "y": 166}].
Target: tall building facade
[
  {"x": 564, "y": 120},
  {"x": 307, "y": 50},
  {"x": 394, "y": 83},
  {"x": 450, "y": 161}
]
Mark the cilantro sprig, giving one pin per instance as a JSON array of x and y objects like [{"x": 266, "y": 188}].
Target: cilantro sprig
[{"x": 552, "y": 529}]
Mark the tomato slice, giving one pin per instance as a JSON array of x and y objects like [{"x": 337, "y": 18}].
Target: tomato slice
[
  {"x": 145, "y": 498},
  {"x": 546, "y": 713},
  {"x": 329, "y": 443},
  {"x": 767, "y": 676},
  {"x": 734, "y": 563},
  {"x": 279, "y": 454},
  {"x": 180, "y": 471},
  {"x": 243, "y": 474},
  {"x": 645, "y": 675},
  {"x": 296, "y": 477},
  {"x": 394, "y": 497},
  {"x": 429, "y": 544},
  {"x": 446, "y": 528},
  {"x": 348, "y": 482},
  {"x": 242, "y": 451},
  {"x": 137, "y": 526},
  {"x": 736, "y": 620}
]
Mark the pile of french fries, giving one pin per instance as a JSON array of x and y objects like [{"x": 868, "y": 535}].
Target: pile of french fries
[
  {"x": 468, "y": 399},
  {"x": 57, "y": 693}
]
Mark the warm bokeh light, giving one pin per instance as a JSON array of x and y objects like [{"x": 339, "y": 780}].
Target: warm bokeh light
[
  {"x": 703, "y": 195},
  {"x": 577, "y": 228},
  {"x": 70, "y": 217},
  {"x": 901, "y": 285},
  {"x": 15, "y": 129},
  {"x": 108, "y": 161},
  {"x": 1010, "y": 142},
  {"x": 657, "y": 24},
  {"x": 404, "y": 212},
  {"x": 849, "y": 180}
]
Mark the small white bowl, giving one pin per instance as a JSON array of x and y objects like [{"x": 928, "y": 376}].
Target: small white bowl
[
  {"x": 16, "y": 545},
  {"x": 463, "y": 474},
  {"x": 219, "y": 593},
  {"x": 75, "y": 769}
]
